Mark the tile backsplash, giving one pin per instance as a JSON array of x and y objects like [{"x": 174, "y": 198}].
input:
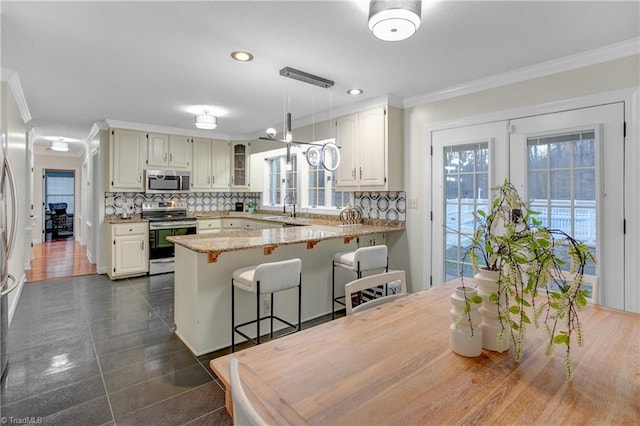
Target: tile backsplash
[
  {"x": 372, "y": 205},
  {"x": 196, "y": 201},
  {"x": 381, "y": 205}
]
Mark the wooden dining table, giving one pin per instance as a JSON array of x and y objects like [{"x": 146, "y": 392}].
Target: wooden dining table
[{"x": 392, "y": 365}]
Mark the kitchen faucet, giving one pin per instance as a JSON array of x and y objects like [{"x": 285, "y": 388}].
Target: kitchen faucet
[{"x": 284, "y": 204}]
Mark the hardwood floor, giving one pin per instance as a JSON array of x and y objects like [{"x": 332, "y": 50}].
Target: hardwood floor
[{"x": 58, "y": 259}]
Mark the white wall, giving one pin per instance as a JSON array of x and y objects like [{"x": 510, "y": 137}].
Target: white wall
[
  {"x": 601, "y": 78},
  {"x": 57, "y": 162}
]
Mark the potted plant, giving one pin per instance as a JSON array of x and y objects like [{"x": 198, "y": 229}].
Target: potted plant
[{"x": 536, "y": 273}]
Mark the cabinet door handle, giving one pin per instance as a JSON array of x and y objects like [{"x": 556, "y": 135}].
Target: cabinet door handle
[
  {"x": 353, "y": 174},
  {"x": 360, "y": 173},
  {"x": 142, "y": 245},
  {"x": 213, "y": 180},
  {"x": 139, "y": 178},
  {"x": 170, "y": 156},
  {"x": 164, "y": 156}
]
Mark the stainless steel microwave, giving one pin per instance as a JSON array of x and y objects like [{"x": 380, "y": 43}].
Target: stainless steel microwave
[{"x": 166, "y": 181}]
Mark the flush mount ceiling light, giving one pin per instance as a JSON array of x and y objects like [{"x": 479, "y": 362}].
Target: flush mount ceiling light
[
  {"x": 206, "y": 121},
  {"x": 242, "y": 56},
  {"x": 355, "y": 92},
  {"x": 59, "y": 145},
  {"x": 394, "y": 20}
]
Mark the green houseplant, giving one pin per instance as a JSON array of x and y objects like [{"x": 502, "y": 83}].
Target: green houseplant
[{"x": 539, "y": 273}]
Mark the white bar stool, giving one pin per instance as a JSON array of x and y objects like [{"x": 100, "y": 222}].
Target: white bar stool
[
  {"x": 266, "y": 278},
  {"x": 358, "y": 261}
]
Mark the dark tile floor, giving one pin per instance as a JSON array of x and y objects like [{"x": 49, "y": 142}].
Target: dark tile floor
[{"x": 90, "y": 351}]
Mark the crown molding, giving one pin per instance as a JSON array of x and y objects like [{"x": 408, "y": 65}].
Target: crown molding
[
  {"x": 591, "y": 57},
  {"x": 321, "y": 116},
  {"x": 11, "y": 77},
  {"x": 117, "y": 124}
]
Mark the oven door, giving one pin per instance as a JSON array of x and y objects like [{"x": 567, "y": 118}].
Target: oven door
[{"x": 161, "y": 251}]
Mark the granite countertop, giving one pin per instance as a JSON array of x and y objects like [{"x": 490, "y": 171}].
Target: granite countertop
[
  {"x": 114, "y": 219},
  {"x": 310, "y": 230}
]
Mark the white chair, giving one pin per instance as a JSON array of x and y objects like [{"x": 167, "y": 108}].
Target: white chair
[
  {"x": 355, "y": 290},
  {"x": 266, "y": 278},
  {"x": 358, "y": 261},
  {"x": 243, "y": 412}
]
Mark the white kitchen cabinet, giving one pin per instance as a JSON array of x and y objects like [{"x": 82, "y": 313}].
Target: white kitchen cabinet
[
  {"x": 126, "y": 160},
  {"x": 232, "y": 224},
  {"x": 129, "y": 250},
  {"x": 372, "y": 240},
  {"x": 168, "y": 151},
  {"x": 208, "y": 226},
  {"x": 371, "y": 150},
  {"x": 210, "y": 171},
  {"x": 240, "y": 165}
]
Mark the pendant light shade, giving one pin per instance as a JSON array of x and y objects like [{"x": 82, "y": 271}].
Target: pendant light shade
[
  {"x": 394, "y": 20},
  {"x": 206, "y": 121}
]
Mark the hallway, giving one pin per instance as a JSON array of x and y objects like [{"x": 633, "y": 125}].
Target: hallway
[{"x": 59, "y": 259}]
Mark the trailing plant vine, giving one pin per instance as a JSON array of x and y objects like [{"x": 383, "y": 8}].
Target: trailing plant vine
[{"x": 535, "y": 283}]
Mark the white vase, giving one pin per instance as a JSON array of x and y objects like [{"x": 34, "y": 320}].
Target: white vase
[
  {"x": 466, "y": 335},
  {"x": 492, "y": 328}
]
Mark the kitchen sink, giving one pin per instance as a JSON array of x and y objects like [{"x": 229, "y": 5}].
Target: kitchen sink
[{"x": 285, "y": 218}]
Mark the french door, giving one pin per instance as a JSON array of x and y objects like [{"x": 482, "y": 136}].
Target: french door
[{"x": 568, "y": 165}]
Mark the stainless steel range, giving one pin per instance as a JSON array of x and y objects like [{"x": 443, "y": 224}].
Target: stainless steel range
[{"x": 166, "y": 218}]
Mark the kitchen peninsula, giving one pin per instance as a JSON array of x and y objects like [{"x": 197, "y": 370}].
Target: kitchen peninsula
[{"x": 204, "y": 264}]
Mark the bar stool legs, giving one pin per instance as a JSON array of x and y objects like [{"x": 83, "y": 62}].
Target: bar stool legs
[
  {"x": 266, "y": 278},
  {"x": 361, "y": 260}
]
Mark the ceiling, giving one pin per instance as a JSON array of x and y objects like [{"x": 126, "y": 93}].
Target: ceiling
[{"x": 151, "y": 62}]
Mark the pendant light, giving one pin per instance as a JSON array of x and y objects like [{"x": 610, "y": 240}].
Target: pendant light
[{"x": 394, "y": 20}]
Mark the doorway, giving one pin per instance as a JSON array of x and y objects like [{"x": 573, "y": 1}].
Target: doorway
[
  {"x": 58, "y": 204},
  {"x": 566, "y": 164}
]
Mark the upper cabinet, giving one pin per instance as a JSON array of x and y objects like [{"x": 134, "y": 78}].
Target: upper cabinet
[
  {"x": 210, "y": 171},
  {"x": 169, "y": 151},
  {"x": 371, "y": 150},
  {"x": 240, "y": 165},
  {"x": 126, "y": 159}
]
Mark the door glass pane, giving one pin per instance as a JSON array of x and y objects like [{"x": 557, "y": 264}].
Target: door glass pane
[
  {"x": 562, "y": 185},
  {"x": 466, "y": 187}
]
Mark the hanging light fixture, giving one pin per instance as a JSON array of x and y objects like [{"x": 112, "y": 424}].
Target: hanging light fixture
[
  {"x": 59, "y": 145},
  {"x": 206, "y": 121},
  {"x": 324, "y": 152},
  {"x": 394, "y": 20}
]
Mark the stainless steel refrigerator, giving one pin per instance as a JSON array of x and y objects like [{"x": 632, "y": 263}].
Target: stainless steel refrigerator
[{"x": 8, "y": 200}]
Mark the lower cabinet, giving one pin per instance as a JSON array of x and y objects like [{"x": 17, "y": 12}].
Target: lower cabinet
[
  {"x": 208, "y": 226},
  {"x": 129, "y": 253},
  {"x": 372, "y": 240}
]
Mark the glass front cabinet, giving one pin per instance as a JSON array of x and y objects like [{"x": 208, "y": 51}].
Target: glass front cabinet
[{"x": 240, "y": 165}]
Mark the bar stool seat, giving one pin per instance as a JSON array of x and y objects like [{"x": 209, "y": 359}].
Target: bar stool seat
[
  {"x": 359, "y": 260},
  {"x": 266, "y": 278}
]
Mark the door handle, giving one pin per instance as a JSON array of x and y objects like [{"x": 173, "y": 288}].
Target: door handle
[
  {"x": 142, "y": 245},
  {"x": 6, "y": 171},
  {"x": 11, "y": 288}
]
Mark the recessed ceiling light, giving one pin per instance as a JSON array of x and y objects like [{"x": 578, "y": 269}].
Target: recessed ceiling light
[
  {"x": 242, "y": 56},
  {"x": 355, "y": 92}
]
